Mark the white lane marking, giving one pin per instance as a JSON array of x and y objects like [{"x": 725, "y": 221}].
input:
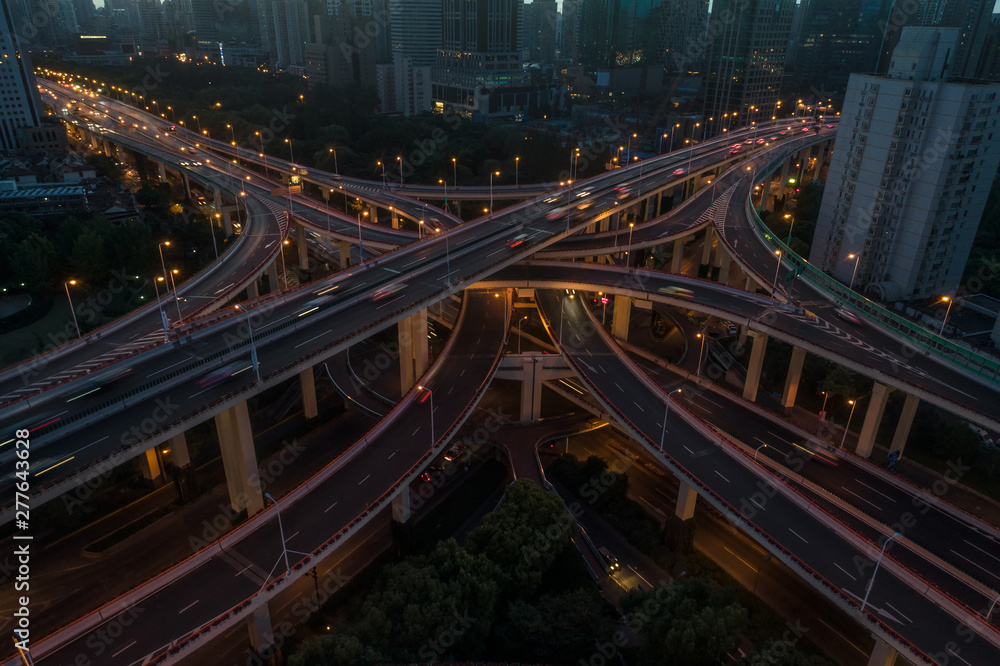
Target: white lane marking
[
  {"x": 955, "y": 654},
  {"x": 391, "y": 455},
  {"x": 845, "y": 571},
  {"x": 688, "y": 450},
  {"x": 898, "y": 611},
  {"x": 166, "y": 368},
  {"x": 363, "y": 480},
  {"x": 727, "y": 481},
  {"x": 197, "y": 600},
  {"x": 226, "y": 287},
  {"x": 798, "y": 535},
  {"x": 862, "y": 498},
  {"x": 751, "y": 499},
  {"x": 639, "y": 406},
  {"x": 875, "y": 491},
  {"x": 123, "y": 649},
  {"x": 414, "y": 432},
  {"x": 975, "y": 564},
  {"x": 198, "y": 393},
  {"x": 981, "y": 550},
  {"x": 291, "y": 537},
  {"x": 619, "y": 387},
  {"x": 330, "y": 507},
  {"x": 313, "y": 338}
]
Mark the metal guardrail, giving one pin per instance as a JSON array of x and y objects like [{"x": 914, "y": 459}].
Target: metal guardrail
[{"x": 917, "y": 336}]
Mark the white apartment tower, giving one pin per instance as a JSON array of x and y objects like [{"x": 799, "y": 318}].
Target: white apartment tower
[
  {"x": 21, "y": 106},
  {"x": 915, "y": 157}
]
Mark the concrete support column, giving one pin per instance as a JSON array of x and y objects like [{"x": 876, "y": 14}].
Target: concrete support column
[
  {"x": 905, "y": 423},
  {"x": 818, "y": 169},
  {"x": 882, "y": 654},
  {"x": 401, "y": 510},
  {"x": 706, "y": 251},
  {"x": 659, "y": 203},
  {"x": 621, "y": 316},
  {"x": 150, "y": 465},
  {"x": 252, "y": 290},
  {"x": 686, "y": 498},
  {"x": 107, "y": 148},
  {"x": 163, "y": 171},
  {"x": 187, "y": 184},
  {"x": 307, "y": 382},
  {"x": 121, "y": 152},
  {"x": 179, "y": 450},
  {"x": 217, "y": 193},
  {"x": 261, "y": 631},
  {"x": 531, "y": 398},
  {"x": 873, "y": 417},
  {"x": 303, "y": 247},
  {"x": 412, "y": 349},
  {"x": 239, "y": 459},
  {"x": 725, "y": 262},
  {"x": 395, "y": 218},
  {"x": 678, "y": 256},
  {"x": 373, "y": 213},
  {"x": 784, "y": 178},
  {"x": 756, "y": 363},
  {"x": 792, "y": 378},
  {"x": 345, "y": 254},
  {"x": 272, "y": 275}
]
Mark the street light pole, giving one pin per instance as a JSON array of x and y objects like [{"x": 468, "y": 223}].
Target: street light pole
[
  {"x": 361, "y": 241},
  {"x": 163, "y": 265},
  {"x": 399, "y": 158},
  {"x": 492, "y": 173},
  {"x": 666, "y": 411},
  {"x": 628, "y": 253},
  {"x": 445, "y": 183},
  {"x": 871, "y": 582},
  {"x": 281, "y": 530},
  {"x": 857, "y": 260},
  {"x": 701, "y": 353},
  {"x": 430, "y": 394},
  {"x": 774, "y": 283},
  {"x": 336, "y": 169},
  {"x": 949, "y": 300},
  {"x": 454, "y": 168},
  {"x": 762, "y": 446},
  {"x": 71, "y": 310},
  {"x": 253, "y": 346},
  {"x": 517, "y": 171},
  {"x": 177, "y": 300},
  {"x": 519, "y": 333},
  {"x": 853, "y": 403},
  {"x": 163, "y": 316}
]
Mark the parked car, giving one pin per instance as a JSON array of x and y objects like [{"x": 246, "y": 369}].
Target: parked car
[{"x": 610, "y": 561}]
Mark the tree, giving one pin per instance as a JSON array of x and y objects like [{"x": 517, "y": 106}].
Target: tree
[
  {"x": 686, "y": 622},
  {"x": 555, "y": 626},
  {"x": 88, "y": 257},
  {"x": 780, "y": 653},
  {"x": 33, "y": 262},
  {"x": 524, "y": 536}
]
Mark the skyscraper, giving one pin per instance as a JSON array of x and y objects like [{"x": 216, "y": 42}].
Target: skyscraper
[
  {"x": 837, "y": 39},
  {"x": 914, "y": 160},
  {"x": 416, "y": 30},
  {"x": 540, "y": 18},
  {"x": 619, "y": 33},
  {"x": 683, "y": 33},
  {"x": 972, "y": 18},
  {"x": 747, "y": 59},
  {"x": 22, "y": 106}
]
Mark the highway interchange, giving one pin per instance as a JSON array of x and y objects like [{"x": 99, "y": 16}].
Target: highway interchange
[{"x": 290, "y": 337}]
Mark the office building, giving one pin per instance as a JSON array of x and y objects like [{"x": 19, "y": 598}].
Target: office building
[
  {"x": 569, "y": 31},
  {"x": 619, "y": 33},
  {"x": 22, "y": 107},
  {"x": 539, "y": 28},
  {"x": 915, "y": 157},
  {"x": 747, "y": 59},
  {"x": 835, "y": 40},
  {"x": 416, "y": 30},
  {"x": 683, "y": 35}
]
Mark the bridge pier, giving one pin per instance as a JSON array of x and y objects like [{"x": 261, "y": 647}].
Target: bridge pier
[
  {"x": 792, "y": 378},
  {"x": 677, "y": 257},
  {"x": 261, "y": 630},
  {"x": 401, "y": 509},
  {"x": 239, "y": 459},
  {"x": 187, "y": 184},
  {"x": 163, "y": 171},
  {"x": 412, "y": 349},
  {"x": 217, "y": 193},
  {"x": 621, "y": 316},
  {"x": 873, "y": 417},
  {"x": 882, "y": 654},
  {"x": 307, "y": 383},
  {"x": 149, "y": 463},
  {"x": 303, "y": 248},
  {"x": 345, "y": 254},
  {"x": 819, "y": 161},
  {"x": 531, "y": 369},
  {"x": 272, "y": 275},
  {"x": 686, "y": 500},
  {"x": 252, "y": 290},
  {"x": 759, "y": 344},
  {"x": 706, "y": 252},
  {"x": 905, "y": 423}
]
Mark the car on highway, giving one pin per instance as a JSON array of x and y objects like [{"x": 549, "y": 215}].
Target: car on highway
[
  {"x": 517, "y": 240},
  {"x": 623, "y": 192},
  {"x": 583, "y": 205},
  {"x": 455, "y": 452},
  {"x": 673, "y": 290},
  {"x": 679, "y": 172},
  {"x": 829, "y": 126},
  {"x": 610, "y": 561},
  {"x": 847, "y": 316},
  {"x": 556, "y": 213},
  {"x": 100, "y": 380},
  {"x": 388, "y": 290},
  {"x": 427, "y": 476},
  {"x": 224, "y": 373}
]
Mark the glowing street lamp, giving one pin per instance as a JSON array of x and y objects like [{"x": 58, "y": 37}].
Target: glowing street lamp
[
  {"x": 949, "y": 300},
  {"x": 853, "y": 404},
  {"x": 666, "y": 411},
  {"x": 71, "y": 310},
  {"x": 495, "y": 173},
  {"x": 857, "y": 260}
]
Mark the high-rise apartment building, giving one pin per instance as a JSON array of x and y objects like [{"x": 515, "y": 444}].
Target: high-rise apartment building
[
  {"x": 835, "y": 40},
  {"x": 569, "y": 31},
  {"x": 747, "y": 58},
  {"x": 915, "y": 157},
  {"x": 539, "y": 28},
  {"x": 22, "y": 107},
  {"x": 619, "y": 33},
  {"x": 415, "y": 27},
  {"x": 683, "y": 35}
]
